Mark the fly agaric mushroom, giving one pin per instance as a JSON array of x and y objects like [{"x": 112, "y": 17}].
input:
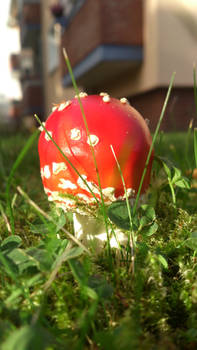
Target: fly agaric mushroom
[{"x": 112, "y": 123}]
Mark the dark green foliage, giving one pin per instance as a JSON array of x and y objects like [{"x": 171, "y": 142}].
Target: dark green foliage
[{"x": 53, "y": 295}]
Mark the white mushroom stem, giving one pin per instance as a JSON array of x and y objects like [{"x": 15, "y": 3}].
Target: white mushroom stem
[{"x": 92, "y": 232}]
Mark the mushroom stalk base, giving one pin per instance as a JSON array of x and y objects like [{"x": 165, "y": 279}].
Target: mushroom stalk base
[{"x": 92, "y": 232}]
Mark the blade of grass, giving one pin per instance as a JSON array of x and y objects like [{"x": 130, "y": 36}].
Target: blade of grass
[
  {"x": 91, "y": 146},
  {"x": 48, "y": 217},
  {"x": 5, "y": 219},
  {"x": 195, "y": 87},
  {"x": 128, "y": 209},
  {"x": 125, "y": 191},
  {"x": 188, "y": 137},
  {"x": 15, "y": 166},
  {"x": 83, "y": 115},
  {"x": 195, "y": 146},
  {"x": 153, "y": 141},
  {"x": 65, "y": 157}
]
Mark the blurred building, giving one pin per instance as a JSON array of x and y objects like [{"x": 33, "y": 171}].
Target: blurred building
[
  {"x": 5, "y": 106},
  {"x": 54, "y": 16},
  {"x": 128, "y": 48},
  {"x": 131, "y": 48},
  {"x": 28, "y": 64}
]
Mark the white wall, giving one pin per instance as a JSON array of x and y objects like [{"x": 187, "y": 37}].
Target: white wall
[
  {"x": 177, "y": 47},
  {"x": 170, "y": 44},
  {"x": 9, "y": 38}
]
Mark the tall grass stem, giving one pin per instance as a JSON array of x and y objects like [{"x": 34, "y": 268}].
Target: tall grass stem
[
  {"x": 91, "y": 146},
  {"x": 153, "y": 141},
  {"x": 65, "y": 157},
  {"x": 48, "y": 217},
  {"x": 195, "y": 87},
  {"x": 195, "y": 146}
]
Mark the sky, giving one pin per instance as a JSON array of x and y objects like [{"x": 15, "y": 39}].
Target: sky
[{"x": 9, "y": 41}]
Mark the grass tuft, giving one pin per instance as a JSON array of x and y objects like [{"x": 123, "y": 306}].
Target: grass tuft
[{"x": 54, "y": 295}]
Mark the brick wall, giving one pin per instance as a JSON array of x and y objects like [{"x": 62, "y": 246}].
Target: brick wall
[
  {"x": 31, "y": 13},
  {"x": 179, "y": 112},
  {"x": 99, "y": 22},
  {"x": 121, "y": 22},
  {"x": 33, "y": 99},
  {"x": 83, "y": 33}
]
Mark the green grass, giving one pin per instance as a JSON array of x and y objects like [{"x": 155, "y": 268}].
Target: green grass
[{"x": 53, "y": 295}]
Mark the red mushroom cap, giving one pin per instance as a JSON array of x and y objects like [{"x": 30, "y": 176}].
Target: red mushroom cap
[{"x": 111, "y": 123}]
